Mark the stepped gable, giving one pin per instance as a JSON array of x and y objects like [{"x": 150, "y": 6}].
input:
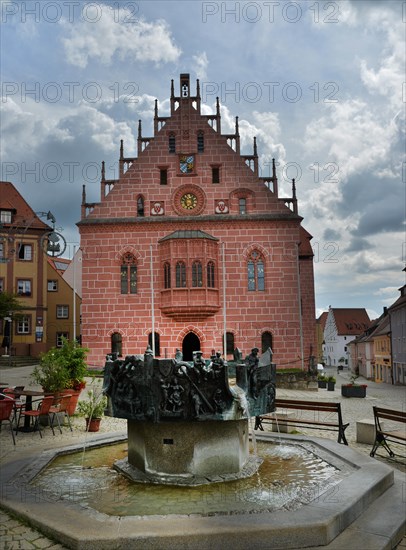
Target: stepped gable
[{"x": 143, "y": 174}]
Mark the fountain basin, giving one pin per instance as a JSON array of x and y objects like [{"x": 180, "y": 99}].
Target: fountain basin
[{"x": 316, "y": 523}]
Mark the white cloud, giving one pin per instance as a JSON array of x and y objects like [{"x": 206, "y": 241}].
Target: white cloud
[
  {"x": 201, "y": 64},
  {"x": 388, "y": 79},
  {"x": 142, "y": 41},
  {"x": 352, "y": 135}
]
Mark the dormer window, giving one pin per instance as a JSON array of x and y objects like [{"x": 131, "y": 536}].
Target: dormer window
[{"x": 5, "y": 216}]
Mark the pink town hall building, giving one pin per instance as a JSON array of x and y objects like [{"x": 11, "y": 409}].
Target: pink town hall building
[{"x": 191, "y": 249}]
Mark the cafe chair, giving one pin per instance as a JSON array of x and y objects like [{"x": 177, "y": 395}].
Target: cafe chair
[
  {"x": 18, "y": 402},
  {"x": 61, "y": 407},
  {"x": 43, "y": 410},
  {"x": 6, "y": 412}
]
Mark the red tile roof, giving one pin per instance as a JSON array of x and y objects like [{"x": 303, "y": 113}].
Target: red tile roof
[
  {"x": 23, "y": 214},
  {"x": 351, "y": 321},
  {"x": 322, "y": 320}
]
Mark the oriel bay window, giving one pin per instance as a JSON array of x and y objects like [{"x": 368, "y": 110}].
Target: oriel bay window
[
  {"x": 189, "y": 259},
  {"x": 128, "y": 274}
]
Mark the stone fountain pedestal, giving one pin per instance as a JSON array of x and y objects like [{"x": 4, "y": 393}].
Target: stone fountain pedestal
[{"x": 188, "y": 454}]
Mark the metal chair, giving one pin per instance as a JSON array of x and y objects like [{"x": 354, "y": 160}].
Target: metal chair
[
  {"x": 18, "y": 402},
  {"x": 6, "y": 411},
  {"x": 43, "y": 410},
  {"x": 61, "y": 407}
]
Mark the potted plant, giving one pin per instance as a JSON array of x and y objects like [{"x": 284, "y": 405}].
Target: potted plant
[
  {"x": 93, "y": 409},
  {"x": 331, "y": 382},
  {"x": 50, "y": 374},
  {"x": 352, "y": 389},
  {"x": 63, "y": 370},
  {"x": 321, "y": 381}
]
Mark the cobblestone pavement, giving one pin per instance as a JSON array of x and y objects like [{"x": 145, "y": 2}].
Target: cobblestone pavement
[{"x": 14, "y": 534}]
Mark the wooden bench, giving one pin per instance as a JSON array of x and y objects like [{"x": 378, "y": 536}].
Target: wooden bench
[
  {"x": 314, "y": 406},
  {"x": 382, "y": 436}
]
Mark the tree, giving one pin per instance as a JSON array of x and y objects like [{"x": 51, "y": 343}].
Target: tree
[{"x": 9, "y": 303}]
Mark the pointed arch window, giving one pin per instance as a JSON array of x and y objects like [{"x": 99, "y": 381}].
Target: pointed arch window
[
  {"x": 210, "y": 275},
  {"x": 266, "y": 341},
  {"x": 229, "y": 343},
  {"x": 140, "y": 206},
  {"x": 172, "y": 143},
  {"x": 117, "y": 344},
  {"x": 128, "y": 274},
  {"x": 200, "y": 142},
  {"x": 197, "y": 274},
  {"x": 180, "y": 275},
  {"x": 242, "y": 205},
  {"x": 256, "y": 272},
  {"x": 156, "y": 342}
]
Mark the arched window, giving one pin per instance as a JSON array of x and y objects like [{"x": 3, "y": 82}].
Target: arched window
[
  {"x": 242, "y": 203},
  {"x": 180, "y": 275},
  {"x": 172, "y": 143},
  {"x": 128, "y": 274},
  {"x": 200, "y": 142},
  {"x": 116, "y": 344},
  {"x": 140, "y": 206},
  {"x": 210, "y": 275},
  {"x": 229, "y": 343},
  {"x": 266, "y": 341},
  {"x": 256, "y": 272},
  {"x": 157, "y": 343},
  {"x": 167, "y": 275},
  {"x": 197, "y": 274}
]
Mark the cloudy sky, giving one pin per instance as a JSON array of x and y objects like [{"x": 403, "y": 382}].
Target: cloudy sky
[{"x": 320, "y": 83}]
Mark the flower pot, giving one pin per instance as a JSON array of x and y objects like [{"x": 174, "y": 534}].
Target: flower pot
[
  {"x": 330, "y": 386},
  {"x": 321, "y": 383},
  {"x": 93, "y": 424},
  {"x": 353, "y": 391},
  {"x": 73, "y": 400}
]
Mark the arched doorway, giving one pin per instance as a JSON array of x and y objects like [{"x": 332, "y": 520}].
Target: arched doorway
[{"x": 190, "y": 344}]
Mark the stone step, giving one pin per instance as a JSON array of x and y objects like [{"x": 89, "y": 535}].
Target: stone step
[
  {"x": 380, "y": 527},
  {"x": 17, "y": 361}
]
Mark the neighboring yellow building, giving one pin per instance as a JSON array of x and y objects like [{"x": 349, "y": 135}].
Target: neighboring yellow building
[
  {"x": 28, "y": 271},
  {"x": 23, "y": 266},
  {"x": 63, "y": 316},
  {"x": 382, "y": 369}
]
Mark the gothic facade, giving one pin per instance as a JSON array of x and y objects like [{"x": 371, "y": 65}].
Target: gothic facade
[{"x": 192, "y": 246}]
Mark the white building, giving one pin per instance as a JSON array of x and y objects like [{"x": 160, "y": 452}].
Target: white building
[{"x": 342, "y": 326}]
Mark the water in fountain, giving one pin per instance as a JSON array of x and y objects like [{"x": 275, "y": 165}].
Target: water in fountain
[{"x": 288, "y": 477}]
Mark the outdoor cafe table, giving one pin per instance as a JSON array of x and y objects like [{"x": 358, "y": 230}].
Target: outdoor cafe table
[{"x": 29, "y": 394}]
